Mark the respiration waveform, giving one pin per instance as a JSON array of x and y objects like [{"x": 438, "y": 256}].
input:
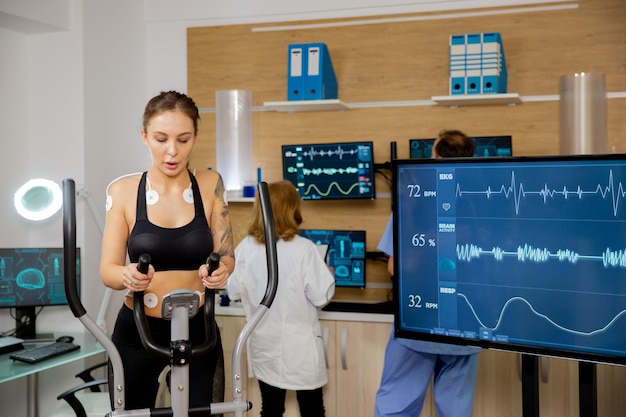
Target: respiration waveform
[
  {"x": 332, "y": 184},
  {"x": 498, "y": 323},
  {"x": 518, "y": 192},
  {"x": 340, "y": 151},
  {"x": 609, "y": 258}
]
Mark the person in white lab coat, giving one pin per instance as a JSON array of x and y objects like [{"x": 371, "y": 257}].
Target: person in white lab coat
[{"x": 285, "y": 351}]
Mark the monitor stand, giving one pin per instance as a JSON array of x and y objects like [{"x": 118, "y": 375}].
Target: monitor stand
[{"x": 25, "y": 326}]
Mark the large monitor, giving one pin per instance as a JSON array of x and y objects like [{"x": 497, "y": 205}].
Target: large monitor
[
  {"x": 341, "y": 170},
  {"x": 346, "y": 254},
  {"x": 30, "y": 278},
  {"x": 522, "y": 254},
  {"x": 485, "y": 146}
]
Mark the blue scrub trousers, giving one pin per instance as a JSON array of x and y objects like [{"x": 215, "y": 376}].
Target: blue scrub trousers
[{"x": 406, "y": 376}]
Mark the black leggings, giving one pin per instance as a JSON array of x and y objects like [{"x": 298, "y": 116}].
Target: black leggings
[
  {"x": 141, "y": 369},
  {"x": 310, "y": 402}
]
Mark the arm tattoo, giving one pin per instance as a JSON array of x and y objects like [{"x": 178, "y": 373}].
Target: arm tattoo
[
  {"x": 222, "y": 228},
  {"x": 226, "y": 243},
  {"x": 219, "y": 188},
  {"x": 219, "y": 194}
]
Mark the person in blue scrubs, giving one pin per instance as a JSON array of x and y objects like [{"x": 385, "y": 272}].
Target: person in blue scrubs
[{"x": 411, "y": 364}]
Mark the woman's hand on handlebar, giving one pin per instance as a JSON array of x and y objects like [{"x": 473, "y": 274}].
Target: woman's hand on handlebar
[
  {"x": 136, "y": 281},
  {"x": 217, "y": 279}
]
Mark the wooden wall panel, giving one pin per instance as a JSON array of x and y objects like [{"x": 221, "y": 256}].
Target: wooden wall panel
[{"x": 404, "y": 61}]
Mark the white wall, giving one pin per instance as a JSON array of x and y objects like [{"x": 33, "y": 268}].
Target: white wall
[
  {"x": 42, "y": 118},
  {"x": 70, "y": 107},
  {"x": 115, "y": 95},
  {"x": 13, "y": 119}
]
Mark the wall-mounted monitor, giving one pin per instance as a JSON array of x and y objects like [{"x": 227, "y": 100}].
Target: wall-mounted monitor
[
  {"x": 345, "y": 254},
  {"x": 341, "y": 170},
  {"x": 30, "y": 278},
  {"x": 522, "y": 254},
  {"x": 485, "y": 146}
]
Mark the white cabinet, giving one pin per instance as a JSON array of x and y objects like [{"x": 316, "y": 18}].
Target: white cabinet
[
  {"x": 356, "y": 359},
  {"x": 355, "y": 353}
]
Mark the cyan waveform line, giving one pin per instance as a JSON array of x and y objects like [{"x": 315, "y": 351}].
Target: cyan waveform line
[
  {"x": 518, "y": 192},
  {"x": 332, "y": 184},
  {"x": 609, "y": 258},
  {"x": 311, "y": 153},
  {"x": 543, "y": 316},
  {"x": 330, "y": 171}
]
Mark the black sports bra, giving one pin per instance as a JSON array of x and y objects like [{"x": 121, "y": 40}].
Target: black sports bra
[{"x": 183, "y": 248}]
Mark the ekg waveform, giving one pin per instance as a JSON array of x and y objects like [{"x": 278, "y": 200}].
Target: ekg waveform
[
  {"x": 328, "y": 190},
  {"x": 498, "y": 322},
  {"x": 609, "y": 258},
  {"x": 517, "y": 192},
  {"x": 339, "y": 151}
]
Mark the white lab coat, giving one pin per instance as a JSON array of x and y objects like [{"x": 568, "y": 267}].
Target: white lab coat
[{"x": 286, "y": 348}]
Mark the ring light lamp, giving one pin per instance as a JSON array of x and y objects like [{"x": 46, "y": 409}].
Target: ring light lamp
[{"x": 38, "y": 199}]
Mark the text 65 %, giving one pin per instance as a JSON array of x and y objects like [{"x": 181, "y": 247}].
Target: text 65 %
[{"x": 420, "y": 240}]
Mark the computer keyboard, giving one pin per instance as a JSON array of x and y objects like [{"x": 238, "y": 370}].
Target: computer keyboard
[{"x": 44, "y": 352}]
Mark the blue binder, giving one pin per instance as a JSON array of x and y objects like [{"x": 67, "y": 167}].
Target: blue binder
[
  {"x": 320, "y": 82},
  {"x": 474, "y": 63},
  {"x": 312, "y": 77},
  {"x": 295, "y": 78},
  {"x": 494, "y": 74},
  {"x": 457, "y": 64}
]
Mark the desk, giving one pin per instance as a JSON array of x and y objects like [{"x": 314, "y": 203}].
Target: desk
[{"x": 10, "y": 369}]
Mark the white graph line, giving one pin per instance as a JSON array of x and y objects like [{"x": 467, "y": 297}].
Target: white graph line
[
  {"x": 543, "y": 316},
  {"x": 518, "y": 192}
]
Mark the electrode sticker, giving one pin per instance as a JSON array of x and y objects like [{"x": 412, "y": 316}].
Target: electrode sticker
[
  {"x": 188, "y": 195},
  {"x": 150, "y": 300},
  {"x": 152, "y": 197}
]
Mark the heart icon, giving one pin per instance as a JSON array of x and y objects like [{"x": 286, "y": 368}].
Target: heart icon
[{"x": 446, "y": 206}]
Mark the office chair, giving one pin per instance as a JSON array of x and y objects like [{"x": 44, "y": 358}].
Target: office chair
[{"x": 86, "y": 399}]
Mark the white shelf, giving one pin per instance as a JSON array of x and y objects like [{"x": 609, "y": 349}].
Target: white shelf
[
  {"x": 510, "y": 99},
  {"x": 305, "y": 105},
  {"x": 240, "y": 200},
  {"x": 452, "y": 101},
  {"x": 236, "y": 196}
]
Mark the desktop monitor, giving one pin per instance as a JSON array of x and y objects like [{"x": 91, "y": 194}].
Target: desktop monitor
[
  {"x": 345, "y": 254},
  {"x": 30, "y": 278},
  {"x": 485, "y": 146},
  {"x": 340, "y": 170},
  {"x": 522, "y": 254}
]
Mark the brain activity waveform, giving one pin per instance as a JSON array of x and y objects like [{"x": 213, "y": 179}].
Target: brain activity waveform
[
  {"x": 517, "y": 191},
  {"x": 510, "y": 301},
  {"x": 609, "y": 258},
  {"x": 325, "y": 171}
]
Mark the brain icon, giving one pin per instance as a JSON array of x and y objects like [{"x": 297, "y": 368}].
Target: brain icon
[{"x": 30, "y": 279}]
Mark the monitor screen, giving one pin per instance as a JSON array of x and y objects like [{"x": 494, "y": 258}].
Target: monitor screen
[
  {"x": 32, "y": 277},
  {"x": 29, "y": 278},
  {"x": 485, "y": 146},
  {"x": 331, "y": 170},
  {"x": 345, "y": 254},
  {"x": 522, "y": 254}
]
